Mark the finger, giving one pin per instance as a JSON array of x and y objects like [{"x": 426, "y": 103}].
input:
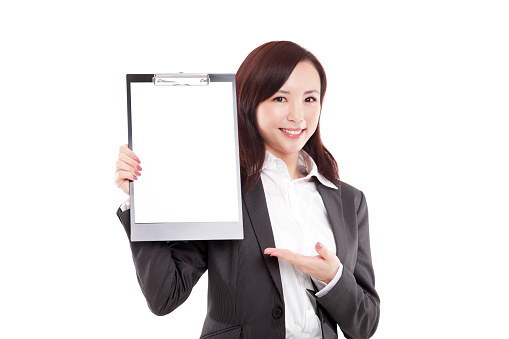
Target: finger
[
  {"x": 275, "y": 251},
  {"x": 291, "y": 257},
  {"x": 269, "y": 250},
  {"x": 122, "y": 176},
  {"x": 324, "y": 252},
  {"x": 129, "y": 161},
  {"x": 125, "y": 149},
  {"x": 122, "y": 166}
]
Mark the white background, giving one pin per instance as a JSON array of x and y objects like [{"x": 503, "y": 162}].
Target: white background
[{"x": 414, "y": 114}]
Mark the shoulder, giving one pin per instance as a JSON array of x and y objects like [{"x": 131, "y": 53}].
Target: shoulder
[{"x": 349, "y": 194}]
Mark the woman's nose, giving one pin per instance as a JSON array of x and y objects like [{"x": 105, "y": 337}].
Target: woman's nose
[{"x": 296, "y": 113}]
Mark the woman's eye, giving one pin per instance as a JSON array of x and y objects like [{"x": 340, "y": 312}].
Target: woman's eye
[
  {"x": 310, "y": 99},
  {"x": 280, "y": 99}
]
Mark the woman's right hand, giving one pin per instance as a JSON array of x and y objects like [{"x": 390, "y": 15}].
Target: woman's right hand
[{"x": 128, "y": 168}]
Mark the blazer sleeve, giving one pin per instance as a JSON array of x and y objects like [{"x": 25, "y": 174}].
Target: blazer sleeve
[
  {"x": 166, "y": 271},
  {"x": 353, "y": 302}
]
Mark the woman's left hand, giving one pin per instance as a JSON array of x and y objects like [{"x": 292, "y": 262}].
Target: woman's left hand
[{"x": 323, "y": 266}]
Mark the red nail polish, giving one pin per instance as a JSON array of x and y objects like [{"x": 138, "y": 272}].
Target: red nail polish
[
  {"x": 139, "y": 168},
  {"x": 137, "y": 173},
  {"x": 135, "y": 177},
  {"x": 138, "y": 160}
]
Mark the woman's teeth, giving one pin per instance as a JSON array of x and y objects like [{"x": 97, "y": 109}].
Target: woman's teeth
[{"x": 291, "y": 132}]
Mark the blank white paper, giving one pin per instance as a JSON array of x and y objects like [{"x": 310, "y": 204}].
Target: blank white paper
[{"x": 185, "y": 139}]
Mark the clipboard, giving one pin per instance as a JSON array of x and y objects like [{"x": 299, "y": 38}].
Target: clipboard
[{"x": 183, "y": 126}]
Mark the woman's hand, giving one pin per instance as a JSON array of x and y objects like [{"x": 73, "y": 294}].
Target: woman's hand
[
  {"x": 128, "y": 168},
  {"x": 323, "y": 266}
]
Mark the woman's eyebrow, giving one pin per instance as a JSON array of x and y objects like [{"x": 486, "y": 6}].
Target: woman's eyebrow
[
  {"x": 306, "y": 92},
  {"x": 311, "y": 91}
]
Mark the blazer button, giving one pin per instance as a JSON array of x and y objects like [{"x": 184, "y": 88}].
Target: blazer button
[{"x": 277, "y": 312}]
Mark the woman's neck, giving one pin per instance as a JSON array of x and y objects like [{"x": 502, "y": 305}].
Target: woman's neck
[{"x": 291, "y": 161}]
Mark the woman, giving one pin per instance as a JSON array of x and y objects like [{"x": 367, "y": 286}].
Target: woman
[{"x": 272, "y": 284}]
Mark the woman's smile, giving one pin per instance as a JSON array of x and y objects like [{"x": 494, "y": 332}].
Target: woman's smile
[{"x": 293, "y": 133}]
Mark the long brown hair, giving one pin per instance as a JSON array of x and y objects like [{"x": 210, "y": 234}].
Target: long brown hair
[{"x": 263, "y": 73}]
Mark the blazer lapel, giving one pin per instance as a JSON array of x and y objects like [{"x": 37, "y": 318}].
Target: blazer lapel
[
  {"x": 332, "y": 201},
  {"x": 256, "y": 206}
]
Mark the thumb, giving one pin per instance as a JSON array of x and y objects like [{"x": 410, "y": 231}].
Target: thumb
[{"x": 323, "y": 251}]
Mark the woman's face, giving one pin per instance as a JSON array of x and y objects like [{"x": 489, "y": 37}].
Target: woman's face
[{"x": 289, "y": 118}]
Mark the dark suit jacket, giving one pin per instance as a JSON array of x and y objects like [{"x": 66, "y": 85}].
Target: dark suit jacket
[{"x": 245, "y": 297}]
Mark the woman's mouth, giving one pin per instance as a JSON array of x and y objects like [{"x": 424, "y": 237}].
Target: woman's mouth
[{"x": 291, "y": 132}]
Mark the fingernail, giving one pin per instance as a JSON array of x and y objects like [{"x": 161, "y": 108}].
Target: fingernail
[
  {"x": 138, "y": 160},
  {"x": 137, "y": 173},
  {"x": 139, "y": 168},
  {"x": 319, "y": 245},
  {"x": 135, "y": 177}
]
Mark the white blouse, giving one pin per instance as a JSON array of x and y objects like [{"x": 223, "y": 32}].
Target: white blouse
[{"x": 299, "y": 220}]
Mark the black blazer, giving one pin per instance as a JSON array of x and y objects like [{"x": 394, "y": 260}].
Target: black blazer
[{"x": 245, "y": 297}]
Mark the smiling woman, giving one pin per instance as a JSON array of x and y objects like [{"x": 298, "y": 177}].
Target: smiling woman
[
  {"x": 280, "y": 72},
  {"x": 304, "y": 265}
]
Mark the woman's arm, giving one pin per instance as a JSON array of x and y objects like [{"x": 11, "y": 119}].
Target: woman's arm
[
  {"x": 167, "y": 271},
  {"x": 353, "y": 302}
]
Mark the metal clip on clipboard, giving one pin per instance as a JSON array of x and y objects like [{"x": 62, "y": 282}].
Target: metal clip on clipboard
[{"x": 181, "y": 79}]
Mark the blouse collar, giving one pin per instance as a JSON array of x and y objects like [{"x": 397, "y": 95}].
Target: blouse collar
[{"x": 305, "y": 165}]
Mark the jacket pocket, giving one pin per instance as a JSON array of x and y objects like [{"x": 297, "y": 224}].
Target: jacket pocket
[{"x": 227, "y": 333}]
